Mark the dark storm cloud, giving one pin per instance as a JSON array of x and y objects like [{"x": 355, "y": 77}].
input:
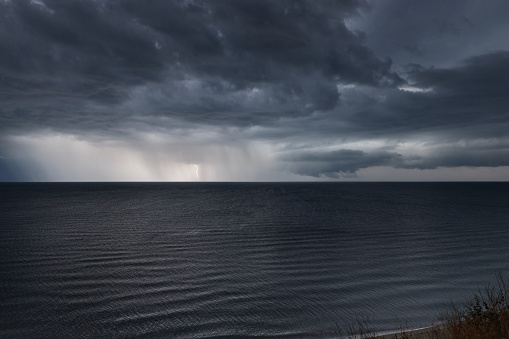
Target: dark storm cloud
[
  {"x": 469, "y": 100},
  {"x": 338, "y": 163},
  {"x": 68, "y": 62},
  {"x": 264, "y": 41},
  {"x": 480, "y": 76},
  {"x": 469, "y": 96},
  {"x": 75, "y": 38},
  {"x": 435, "y": 32}
]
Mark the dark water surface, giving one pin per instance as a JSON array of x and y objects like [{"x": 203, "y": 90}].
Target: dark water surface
[{"x": 191, "y": 260}]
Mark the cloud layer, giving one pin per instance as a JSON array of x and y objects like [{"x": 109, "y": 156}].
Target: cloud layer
[{"x": 249, "y": 89}]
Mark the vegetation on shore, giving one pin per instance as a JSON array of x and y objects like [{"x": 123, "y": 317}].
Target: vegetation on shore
[{"x": 485, "y": 316}]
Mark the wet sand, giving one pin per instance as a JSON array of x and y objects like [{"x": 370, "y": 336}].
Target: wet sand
[{"x": 423, "y": 333}]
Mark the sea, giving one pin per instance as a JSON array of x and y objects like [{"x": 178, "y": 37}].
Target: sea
[{"x": 216, "y": 260}]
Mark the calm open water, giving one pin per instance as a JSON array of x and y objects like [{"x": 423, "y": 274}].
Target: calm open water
[{"x": 192, "y": 260}]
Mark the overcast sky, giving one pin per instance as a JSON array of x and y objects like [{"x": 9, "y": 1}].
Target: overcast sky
[{"x": 254, "y": 90}]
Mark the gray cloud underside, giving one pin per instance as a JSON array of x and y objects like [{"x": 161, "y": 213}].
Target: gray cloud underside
[
  {"x": 79, "y": 52},
  {"x": 347, "y": 162},
  {"x": 292, "y": 68}
]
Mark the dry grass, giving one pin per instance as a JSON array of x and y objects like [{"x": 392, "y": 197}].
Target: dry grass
[{"x": 486, "y": 316}]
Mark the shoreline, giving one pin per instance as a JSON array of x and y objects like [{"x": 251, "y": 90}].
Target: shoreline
[{"x": 418, "y": 333}]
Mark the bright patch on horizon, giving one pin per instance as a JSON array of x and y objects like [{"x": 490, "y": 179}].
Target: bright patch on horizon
[
  {"x": 414, "y": 89},
  {"x": 66, "y": 157}
]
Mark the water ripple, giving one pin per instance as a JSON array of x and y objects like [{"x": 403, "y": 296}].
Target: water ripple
[{"x": 230, "y": 260}]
